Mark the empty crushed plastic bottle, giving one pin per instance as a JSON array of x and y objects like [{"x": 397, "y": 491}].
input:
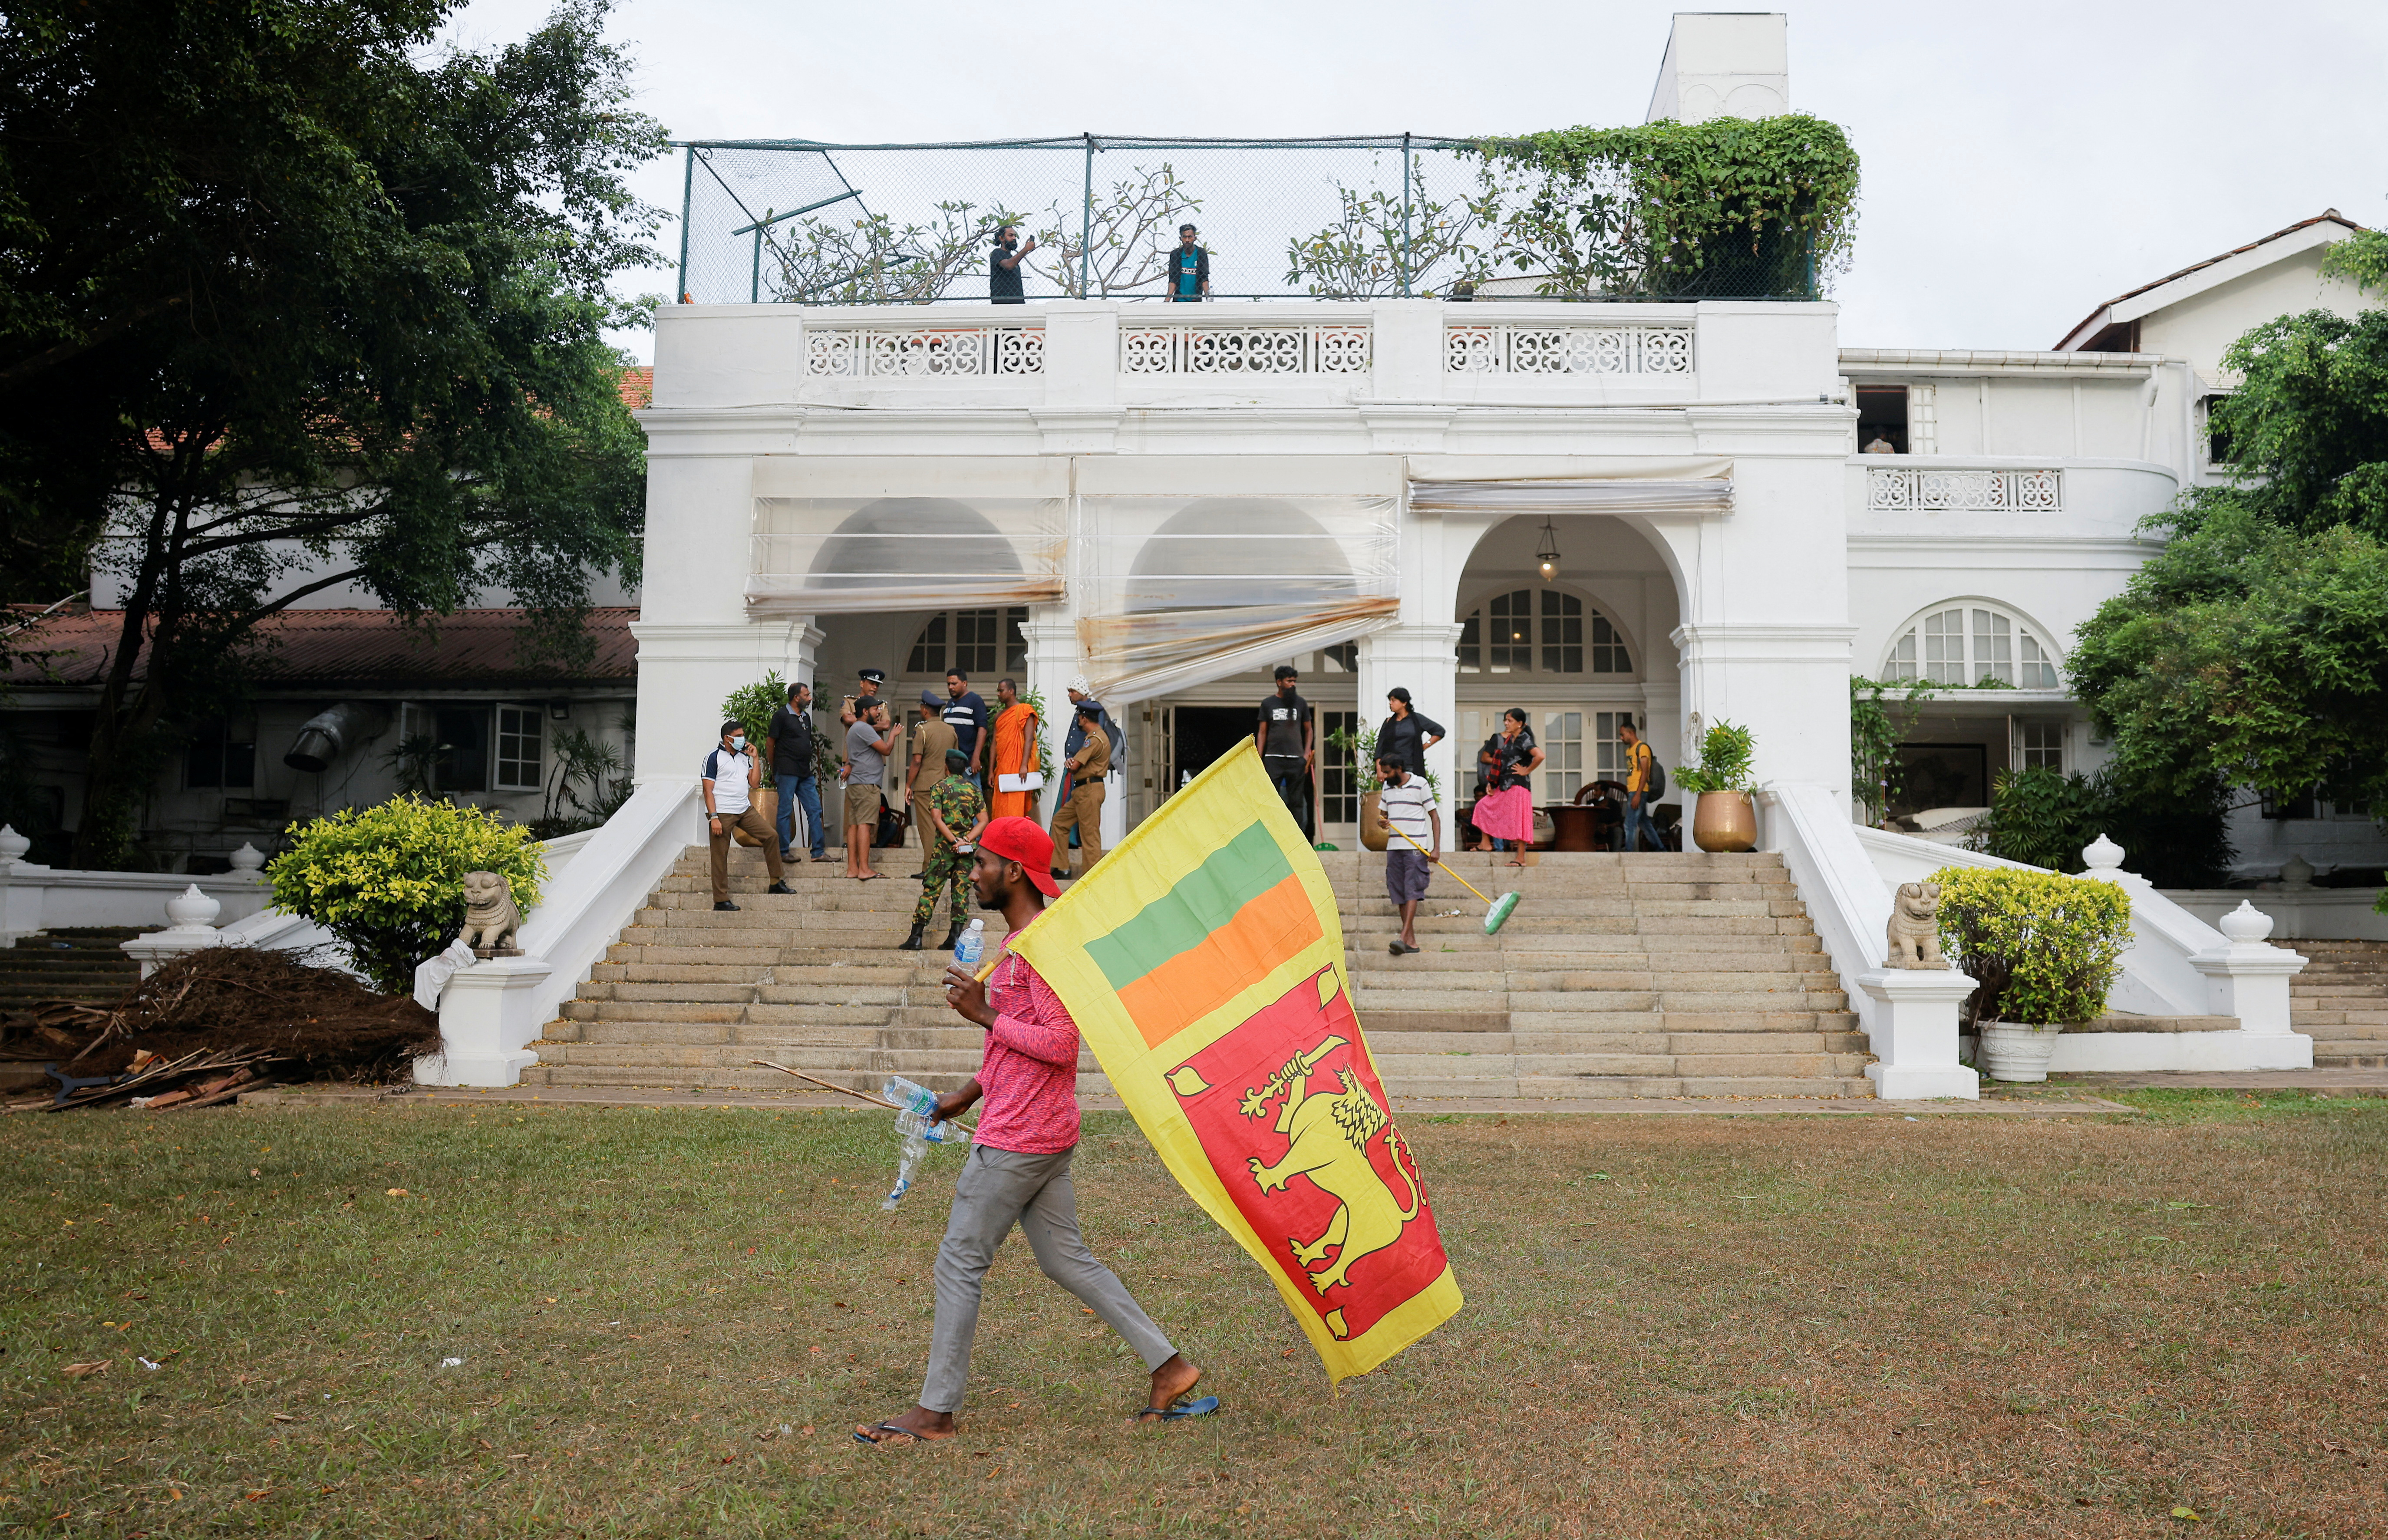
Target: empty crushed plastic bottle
[
  {"x": 971, "y": 947},
  {"x": 917, "y": 1128}
]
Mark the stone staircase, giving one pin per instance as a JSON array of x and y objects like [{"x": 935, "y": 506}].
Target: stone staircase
[
  {"x": 81, "y": 963},
  {"x": 2340, "y": 1000},
  {"x": 1652, "y": 975}
]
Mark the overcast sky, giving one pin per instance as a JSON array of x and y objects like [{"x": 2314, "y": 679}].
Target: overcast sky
[{"x": 2023, "y": 162}]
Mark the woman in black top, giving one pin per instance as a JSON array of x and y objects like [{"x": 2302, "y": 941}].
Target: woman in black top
[{"x": 1406, "y": 735}]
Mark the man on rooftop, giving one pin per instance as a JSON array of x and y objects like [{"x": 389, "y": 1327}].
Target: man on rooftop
[{"x": 1190, "y": 269}]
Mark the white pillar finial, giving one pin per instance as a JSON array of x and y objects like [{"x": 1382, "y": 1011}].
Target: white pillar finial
[
  {"x": 192, "y": 911},
  {"x": 2245, "y": 925},
  {"x": 13, "y": 844},
  {"x": 2102, "y": 855}
]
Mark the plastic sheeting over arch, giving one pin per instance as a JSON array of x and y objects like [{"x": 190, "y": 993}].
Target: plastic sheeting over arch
[
  {"x": 1198, "y": 568},
  {"x": 848, "y": 535}
]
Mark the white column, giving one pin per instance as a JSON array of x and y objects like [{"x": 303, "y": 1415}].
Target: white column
[
  {"x": 686, "y": 670},
  {"x": 1914, "y": 1034},
  {"x": 489, "y": 1015},
  {"x": 2247, "y": 978},
  {"x": 1421, "y": 657},
  {"x": 1053, "y": 660}
]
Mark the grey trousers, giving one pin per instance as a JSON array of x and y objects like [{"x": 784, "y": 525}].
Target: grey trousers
[{"x": 996, "y": 1189}]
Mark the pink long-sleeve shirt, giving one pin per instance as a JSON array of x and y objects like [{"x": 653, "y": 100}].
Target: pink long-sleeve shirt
[{"x": 1030, "y": 1071}]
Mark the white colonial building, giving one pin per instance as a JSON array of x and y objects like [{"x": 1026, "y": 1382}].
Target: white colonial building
[{"x": 1171, "y": 500}]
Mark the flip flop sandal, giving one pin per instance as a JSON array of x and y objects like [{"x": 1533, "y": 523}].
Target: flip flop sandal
[
  {"x": 892, "y": 1432},
  {"x": 1203, "y": 1407}
]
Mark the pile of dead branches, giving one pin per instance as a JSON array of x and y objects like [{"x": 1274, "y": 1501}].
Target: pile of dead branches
[{"x": 222, "y": 1011}]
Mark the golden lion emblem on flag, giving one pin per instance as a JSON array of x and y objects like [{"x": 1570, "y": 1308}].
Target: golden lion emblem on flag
[{"x": 1326, "y": 1141}]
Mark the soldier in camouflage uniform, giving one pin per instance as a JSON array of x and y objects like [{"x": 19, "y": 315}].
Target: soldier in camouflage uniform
[{"x": 955, "y": 813}]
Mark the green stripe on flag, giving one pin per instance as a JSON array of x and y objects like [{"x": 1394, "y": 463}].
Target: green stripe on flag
[{"x": 1203, "y": 900}]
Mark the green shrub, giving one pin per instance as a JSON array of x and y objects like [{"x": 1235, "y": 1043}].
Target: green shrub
[
  {"x": 388, "y": 881},
  {"x": 2043, "y": 818},
  {"x": 1724, "y": 766},
  {"x": 753, "y": 704},
  {"x": 2045, "y": 948},
  {"x": 1359, "y": 747}
]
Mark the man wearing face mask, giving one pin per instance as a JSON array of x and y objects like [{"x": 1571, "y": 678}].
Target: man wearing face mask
[{"x": 731, "y": 776}]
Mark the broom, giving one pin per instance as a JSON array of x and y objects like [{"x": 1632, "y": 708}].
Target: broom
[{"x": 1503, "y": 906}]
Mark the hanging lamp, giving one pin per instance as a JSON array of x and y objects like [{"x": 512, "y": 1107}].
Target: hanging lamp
[{"x": 1547, "y": 557}]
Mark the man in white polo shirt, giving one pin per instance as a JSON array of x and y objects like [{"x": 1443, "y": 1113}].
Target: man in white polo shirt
[
  {"x": 733, "y": 771},
  {"x": 1406, "y": 804}
]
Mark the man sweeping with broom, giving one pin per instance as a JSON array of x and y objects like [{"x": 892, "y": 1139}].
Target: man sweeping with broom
[
  {"x": 1405, "y": 806},
  {"x": 1018, "y": 1171}
]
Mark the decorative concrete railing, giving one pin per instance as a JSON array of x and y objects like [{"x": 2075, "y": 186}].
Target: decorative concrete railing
[
  {"x": 35, "y": 897},
  {"x": 1901, "y": 489},
  {"x": 1202, "y": 348},
  {"x": 492, "y": 1012},
  {"x": 2175, "y": 966},
  {"x": 910, "y": 351},
  {"x": 1584, "y": 348}
]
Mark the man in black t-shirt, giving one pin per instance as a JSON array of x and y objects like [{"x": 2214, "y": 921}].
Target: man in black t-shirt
[
  {"x": 791, "y": 735},
  {"x": 1287, "y": 752},
  {"x": 965, "y": 712},
  {"x": 1003, "y": 285}
]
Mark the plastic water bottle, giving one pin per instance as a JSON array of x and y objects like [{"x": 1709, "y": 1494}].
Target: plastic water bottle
[
  {"x": 971, "y": 947},
  {"x": 915, "y": 1130}
]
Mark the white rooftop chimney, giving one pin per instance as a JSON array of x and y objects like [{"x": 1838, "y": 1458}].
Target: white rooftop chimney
[{"x": 1730, "y": 64}]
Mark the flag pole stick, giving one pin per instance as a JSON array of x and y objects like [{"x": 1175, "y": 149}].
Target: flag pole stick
[{"x": 841, "y": 1090}]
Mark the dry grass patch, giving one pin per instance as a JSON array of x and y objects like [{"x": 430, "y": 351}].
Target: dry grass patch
[{"x": 1738, "y": 1327}]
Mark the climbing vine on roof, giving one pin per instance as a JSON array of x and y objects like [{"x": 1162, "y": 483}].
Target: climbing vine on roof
[{"x": 1762, "y": 208}]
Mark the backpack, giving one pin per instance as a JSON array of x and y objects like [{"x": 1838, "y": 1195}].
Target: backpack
[{"x": 1657, "y": 786}]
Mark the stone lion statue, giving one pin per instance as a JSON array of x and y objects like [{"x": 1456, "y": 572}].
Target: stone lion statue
[
  {"x": 1915, "y": 927},
  {"x": 490, "y": 918}
]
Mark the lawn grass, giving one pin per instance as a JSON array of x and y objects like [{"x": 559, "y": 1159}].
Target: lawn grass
[{"x": 1729, "y": 1327}]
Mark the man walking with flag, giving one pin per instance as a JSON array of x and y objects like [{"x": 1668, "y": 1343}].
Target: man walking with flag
[{"x": 1018, "y": 1171}]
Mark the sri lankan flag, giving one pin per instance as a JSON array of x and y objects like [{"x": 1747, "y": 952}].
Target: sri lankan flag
[{"x": 1203, "y": 960}]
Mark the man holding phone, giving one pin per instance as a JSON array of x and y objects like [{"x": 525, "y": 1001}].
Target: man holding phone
[{"x": 1003, "y": 284}]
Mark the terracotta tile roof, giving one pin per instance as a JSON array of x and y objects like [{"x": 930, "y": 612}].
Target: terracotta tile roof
[
  {"x": 2328, "y": 215},
  {"x": 637, "y": 386},
  {"x": 363, "y": 649}
]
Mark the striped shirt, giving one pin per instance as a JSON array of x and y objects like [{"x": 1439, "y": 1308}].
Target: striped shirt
[{"x": 1405, "y": 808}]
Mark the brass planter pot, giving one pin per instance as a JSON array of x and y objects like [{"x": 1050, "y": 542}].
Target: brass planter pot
[
  {"x": 1726, "y": 822},
  {"x": 1374, "y": 835}
]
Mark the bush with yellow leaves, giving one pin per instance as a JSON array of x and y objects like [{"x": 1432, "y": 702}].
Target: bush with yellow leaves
[{"x": 388, "y": 881}]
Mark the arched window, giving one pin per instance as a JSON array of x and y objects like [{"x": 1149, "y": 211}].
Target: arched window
[
  {"x": 978, "y": 642},
  {"x": 1973, "y": 644},
  {"x": 1544, "y": 631}
]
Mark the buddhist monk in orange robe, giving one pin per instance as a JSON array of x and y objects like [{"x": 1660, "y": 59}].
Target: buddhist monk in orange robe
[{"x": 1015, "y": 753}]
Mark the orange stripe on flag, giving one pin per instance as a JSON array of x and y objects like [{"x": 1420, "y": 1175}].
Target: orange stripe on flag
[{"x": 1240, "y": 953}]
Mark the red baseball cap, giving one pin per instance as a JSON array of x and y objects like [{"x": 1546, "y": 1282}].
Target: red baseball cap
[{"x": 1025, "y": 841}]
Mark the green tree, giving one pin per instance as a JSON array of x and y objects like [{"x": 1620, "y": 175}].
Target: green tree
[
  {"x": 284, "y": 291},
  {"x": 2249, "y": 652},
  {"x": 1730, "y": 208},
  {"x": 2308, "y": 424}
]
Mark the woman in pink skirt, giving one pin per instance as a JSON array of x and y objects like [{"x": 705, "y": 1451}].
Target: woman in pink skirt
[{"x": 1505, "y": 811}]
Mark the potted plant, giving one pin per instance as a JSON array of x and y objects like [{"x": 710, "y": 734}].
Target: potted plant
[
  {"x": 2044, "y": 948},
  {"x": 1723, "y": 818},
  {"x": 1362, "y": 746}
]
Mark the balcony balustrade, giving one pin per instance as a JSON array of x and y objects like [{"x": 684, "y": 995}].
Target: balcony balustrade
[
  {"x": 1902, "y": 489},
  {"x": 1573, "y": 348},
  {"x": 1212, "y": 347},
  {"x": 897, "y": 350}
]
